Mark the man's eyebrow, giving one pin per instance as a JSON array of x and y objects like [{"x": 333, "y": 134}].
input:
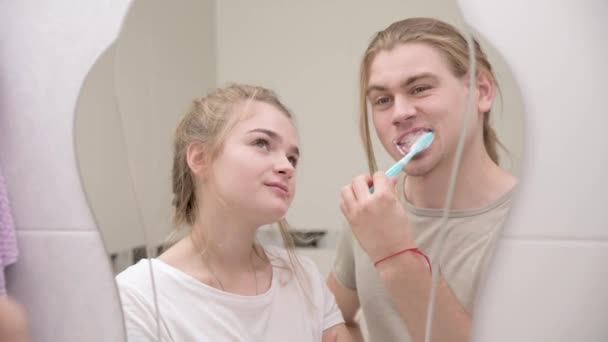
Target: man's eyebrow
[{"x": 408, "y": 81}]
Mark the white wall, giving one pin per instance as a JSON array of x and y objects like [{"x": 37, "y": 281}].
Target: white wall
[
  {"x": 548, "y": 280},
  {"x": 309, "y": 52},
  {"x": 164, "y": 58},
  {"x": 46, "y": 50}
]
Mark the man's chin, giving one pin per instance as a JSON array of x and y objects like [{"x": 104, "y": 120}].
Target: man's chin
[{"x": 419, "y": 170}]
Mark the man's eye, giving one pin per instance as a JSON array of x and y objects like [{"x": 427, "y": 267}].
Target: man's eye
[
  {"x": 419, "y": 89},
  {"x": 293, "y": 161},
  {"x": 383, "y": 100}
]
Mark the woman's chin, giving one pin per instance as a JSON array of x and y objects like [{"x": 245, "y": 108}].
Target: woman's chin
[{"x": 272, "y": 215}]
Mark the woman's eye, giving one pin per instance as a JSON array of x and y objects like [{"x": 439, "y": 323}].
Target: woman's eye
[{"x": 261, "y": 143}]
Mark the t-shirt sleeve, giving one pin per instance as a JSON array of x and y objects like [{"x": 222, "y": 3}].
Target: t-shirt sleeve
[
  {"x": 139, "y": 312},
  {"x": 344, "y": 264},
  {"x": 140, "y": 320},
  {"x": 331, "y": 313},
  {"x": 483, "y": 264},
  {"x": 325, "y": 301}
]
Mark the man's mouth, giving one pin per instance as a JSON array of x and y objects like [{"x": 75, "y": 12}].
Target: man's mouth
[{"x": 405, "y": 142}]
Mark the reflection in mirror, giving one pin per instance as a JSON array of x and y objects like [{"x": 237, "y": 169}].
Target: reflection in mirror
[{"x": 143, "y": 85}]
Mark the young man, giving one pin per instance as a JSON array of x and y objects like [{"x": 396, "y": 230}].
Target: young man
[{"x": 415, "y": 78}]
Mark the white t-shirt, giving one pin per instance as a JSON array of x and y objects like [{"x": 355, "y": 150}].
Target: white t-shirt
[{"x": 193, "y": 311}]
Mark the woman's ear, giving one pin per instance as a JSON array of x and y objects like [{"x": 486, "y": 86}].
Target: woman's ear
[
  {"x": 485, "y": 92},
  {"x": 196, "y": 156}
]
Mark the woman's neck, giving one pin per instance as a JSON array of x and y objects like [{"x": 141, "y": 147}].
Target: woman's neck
[
  {"x": 220, "y": 252},
  {"x": 225, "y": 241}
]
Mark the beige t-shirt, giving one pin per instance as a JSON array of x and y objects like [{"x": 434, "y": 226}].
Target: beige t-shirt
[{"x": 470, "y": 239}]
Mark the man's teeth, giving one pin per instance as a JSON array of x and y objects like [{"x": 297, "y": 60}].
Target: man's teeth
[
  {"x": 410, "y": 139},
  {"x": 407, "y": 141},
  {"x": 401, "y": 149}
]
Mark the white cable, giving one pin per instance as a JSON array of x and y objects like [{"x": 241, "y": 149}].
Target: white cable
[{"x": 452, "y": 184}]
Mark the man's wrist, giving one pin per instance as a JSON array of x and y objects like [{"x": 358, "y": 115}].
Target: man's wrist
[{"x": 410, "y": 262}]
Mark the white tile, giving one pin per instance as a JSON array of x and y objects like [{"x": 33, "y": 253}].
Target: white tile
[
  {"x": 544, "y": 290},
  {"x": 47, "y": 50},
  {"x": 65, "y": 281}
]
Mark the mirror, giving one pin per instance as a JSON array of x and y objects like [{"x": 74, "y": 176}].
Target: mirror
[
  {"x": 170, "y": 53},
  {"x": 129, "y": 106}
]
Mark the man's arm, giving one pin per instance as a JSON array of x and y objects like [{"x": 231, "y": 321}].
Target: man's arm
[
  {"x": 381, "y": 225},
  {"x": 348, "y": 302},
  {"x": 408, "y": 280}
]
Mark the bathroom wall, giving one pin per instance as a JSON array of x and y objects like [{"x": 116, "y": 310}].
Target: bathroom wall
[{"x": 310, "y": 54}]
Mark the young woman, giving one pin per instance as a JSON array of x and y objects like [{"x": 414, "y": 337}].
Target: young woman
[{"x": 236, "y": 154}]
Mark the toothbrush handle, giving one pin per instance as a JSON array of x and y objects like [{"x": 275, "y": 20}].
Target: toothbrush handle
[{"x": 395, "y": 169}]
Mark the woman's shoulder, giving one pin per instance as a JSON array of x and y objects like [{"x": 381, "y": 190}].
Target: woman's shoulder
[
  {"x": 294, "y": 263},
  {"x": 282, "y": 254},
  {"x": 137, "y": 276}
]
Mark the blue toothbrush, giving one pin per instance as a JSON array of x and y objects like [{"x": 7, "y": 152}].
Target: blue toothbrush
[{"x": 420, "y": 145}]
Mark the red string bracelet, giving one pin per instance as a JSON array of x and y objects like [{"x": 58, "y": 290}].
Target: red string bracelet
[{"x": 413, "y": 250}]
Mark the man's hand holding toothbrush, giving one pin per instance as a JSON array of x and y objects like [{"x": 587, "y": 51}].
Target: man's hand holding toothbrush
[{"x": 378, "y": 220}]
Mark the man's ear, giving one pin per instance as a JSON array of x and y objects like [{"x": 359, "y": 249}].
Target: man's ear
[
  {"x": 485, "y": 91},
  {"x": 197, "y": 158}
]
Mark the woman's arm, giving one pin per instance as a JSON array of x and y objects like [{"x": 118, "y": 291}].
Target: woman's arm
[
  {"x": 348, "y": 302},
  {"x": 337, "y": 333}
]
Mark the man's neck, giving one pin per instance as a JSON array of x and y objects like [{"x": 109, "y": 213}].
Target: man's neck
[{"x": 479, "y": 183}]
